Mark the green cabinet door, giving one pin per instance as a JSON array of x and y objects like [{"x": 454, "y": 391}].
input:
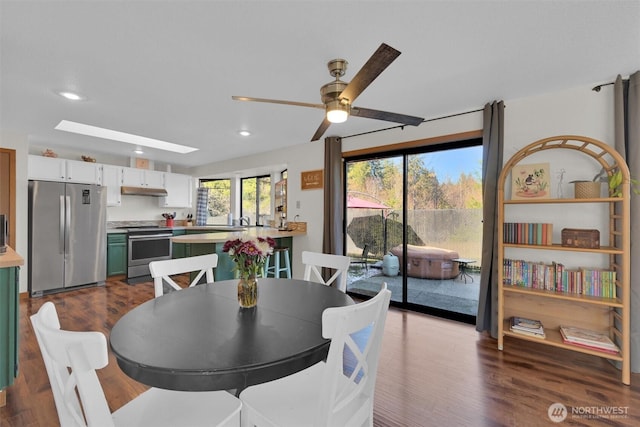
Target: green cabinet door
[
  {"x": 178, "y": 250},
  {"x": 116, "y": 254},
  {"x": 9, "y": 312}
]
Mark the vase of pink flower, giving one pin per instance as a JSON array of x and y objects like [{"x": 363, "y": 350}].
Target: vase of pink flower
[{"x": 250, "y": 256}]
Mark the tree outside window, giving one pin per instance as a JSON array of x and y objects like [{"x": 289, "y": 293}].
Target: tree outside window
[
  {"x": 219, "y": 204},
  {"x": 256, "y": 198}
]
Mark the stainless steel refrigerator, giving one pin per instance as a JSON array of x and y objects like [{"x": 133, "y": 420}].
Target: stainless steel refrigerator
[{"x": 67, "y": 236}]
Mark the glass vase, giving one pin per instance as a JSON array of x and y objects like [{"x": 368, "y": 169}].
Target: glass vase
[{"x": 248, "y": 292}]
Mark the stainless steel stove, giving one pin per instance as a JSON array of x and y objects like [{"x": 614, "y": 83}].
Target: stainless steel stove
[{"x": 146, "y": 244}]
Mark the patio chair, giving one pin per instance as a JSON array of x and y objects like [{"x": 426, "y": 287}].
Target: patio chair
[
  {"x": 338, "y": 392},
  {"x": 162, "y": 270},
  {"x": 80, "y": 400},
  {"x": 364, "y": 257}
]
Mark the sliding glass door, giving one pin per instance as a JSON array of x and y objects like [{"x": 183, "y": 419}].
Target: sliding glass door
[{"x": 414, "y": 221}]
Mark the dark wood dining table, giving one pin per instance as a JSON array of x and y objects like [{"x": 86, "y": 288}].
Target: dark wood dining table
[{"x": 199, "y": 339}]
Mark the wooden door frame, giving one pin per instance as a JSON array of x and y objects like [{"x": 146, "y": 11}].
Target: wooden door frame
[{"x": 12, "y": 195}]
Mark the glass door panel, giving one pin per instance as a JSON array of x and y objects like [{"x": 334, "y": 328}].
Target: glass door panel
[
  {"x": 444, "y": 229},
  {"x": 414, "y": 221},
  {"x": 374, "y": 224}
]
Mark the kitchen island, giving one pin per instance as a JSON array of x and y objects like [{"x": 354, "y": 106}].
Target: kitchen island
[
  {"x": 207, "y": 243},
  {"x": 10, "y": 263}
]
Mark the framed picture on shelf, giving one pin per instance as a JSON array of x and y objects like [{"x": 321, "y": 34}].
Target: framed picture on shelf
[{"x": 530, "y": 181}]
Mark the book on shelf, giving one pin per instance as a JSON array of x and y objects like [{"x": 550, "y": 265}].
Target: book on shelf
[
  {"x": 556, "y": 277},
  {"x": 587, "y": 338},
  {"x": 527, "y": 233},
  {"x": 529, "y": 327}
]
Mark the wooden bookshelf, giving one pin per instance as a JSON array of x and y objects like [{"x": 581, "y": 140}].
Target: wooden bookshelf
[{"x": 606, "y": 315}]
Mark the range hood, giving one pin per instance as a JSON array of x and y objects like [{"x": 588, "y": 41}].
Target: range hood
[{"x": 143, "y": 191}]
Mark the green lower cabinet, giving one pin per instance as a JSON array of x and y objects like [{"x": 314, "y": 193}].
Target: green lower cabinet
[
  {"x": 226, "y": 267},
  {"x": 178, "y": 250},
  {"x": 116, "y": 254},
  {"x": 9, "y": 313}
]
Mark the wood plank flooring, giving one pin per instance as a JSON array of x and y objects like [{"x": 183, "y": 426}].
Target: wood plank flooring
[{"x": 432, "y": 372}]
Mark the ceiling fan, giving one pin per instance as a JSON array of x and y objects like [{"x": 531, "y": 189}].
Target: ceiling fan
[{"x": 338, "y": 96}]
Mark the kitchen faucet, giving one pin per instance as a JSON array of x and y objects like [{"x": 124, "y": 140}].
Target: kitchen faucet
[{"x": 245, "y": 219}]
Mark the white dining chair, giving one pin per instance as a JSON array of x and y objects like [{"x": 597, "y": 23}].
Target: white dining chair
[
  {"x": 338, "y": 392},
  {"x": 80, "y": 400},
  {"x": 315, "y": 261},
  {"x": 162, "y": 270}
]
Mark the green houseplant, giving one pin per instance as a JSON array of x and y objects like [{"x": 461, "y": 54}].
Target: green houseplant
[{"x": 615, "y": 184}]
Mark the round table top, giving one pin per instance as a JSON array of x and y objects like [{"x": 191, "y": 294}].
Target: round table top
[{"x": 199, "y": 339}]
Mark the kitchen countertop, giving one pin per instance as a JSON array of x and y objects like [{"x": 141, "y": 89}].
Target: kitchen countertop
[
  {"x": 10, "y": 259},
  {"x": 221, "y": 237},
  {"x": 184, "y": 227}
]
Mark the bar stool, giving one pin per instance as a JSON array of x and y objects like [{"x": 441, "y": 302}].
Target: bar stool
[{"x": 275, "y": 269}]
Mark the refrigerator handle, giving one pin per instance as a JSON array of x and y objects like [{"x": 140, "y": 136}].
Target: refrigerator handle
[
  {"x": 67, "y": 224},
  {"x": 61, "y": 226}
]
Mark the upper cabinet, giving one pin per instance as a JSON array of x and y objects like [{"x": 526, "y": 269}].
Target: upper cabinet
[
  {"x": 179, "y": 187},
  {"x": 134, "y": 177},
  {"x": 54, "y": 169},
  {"x": 112, "y": 179},
  {"x": 179, "y": 191}
]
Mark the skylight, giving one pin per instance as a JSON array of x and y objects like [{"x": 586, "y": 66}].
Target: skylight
[{"x": 115, "y": 135}]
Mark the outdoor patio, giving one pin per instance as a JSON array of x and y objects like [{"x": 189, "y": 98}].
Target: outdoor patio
[{"x": 452, "y": 295}]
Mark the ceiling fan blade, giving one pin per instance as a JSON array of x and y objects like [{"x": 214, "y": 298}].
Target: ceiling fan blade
[
  {"x": 386, "y": 116},
  {"x": 321, "y": 129},
  {"x": 277, "y": 101},
  {"x": 378, "y": 62}
]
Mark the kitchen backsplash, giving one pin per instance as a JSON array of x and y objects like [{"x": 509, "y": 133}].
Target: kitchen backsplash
[{"x": 143, "y": 208}]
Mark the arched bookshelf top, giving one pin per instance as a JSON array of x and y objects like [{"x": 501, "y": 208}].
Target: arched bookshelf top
[{"x": 606, "y": 155}]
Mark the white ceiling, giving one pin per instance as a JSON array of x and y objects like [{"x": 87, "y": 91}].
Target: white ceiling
[{"x": 168, "y": 69}]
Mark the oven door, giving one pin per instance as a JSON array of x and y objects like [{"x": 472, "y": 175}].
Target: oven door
[{"x": 144, "y": 249}]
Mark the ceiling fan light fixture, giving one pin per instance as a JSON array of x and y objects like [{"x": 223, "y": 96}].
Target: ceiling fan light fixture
[
  {"x": 71, "y": 96},
  {"x": 337, "y": 112}
]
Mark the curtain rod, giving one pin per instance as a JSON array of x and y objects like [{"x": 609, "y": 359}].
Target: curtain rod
[
  {"x": 424, "y": 121},
  {"x": 597, "y": 88}
]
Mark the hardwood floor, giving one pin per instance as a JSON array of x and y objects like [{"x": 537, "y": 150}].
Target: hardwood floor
[{"x": 432, "y": 372}]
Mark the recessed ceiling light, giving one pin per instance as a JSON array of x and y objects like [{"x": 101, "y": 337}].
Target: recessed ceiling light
[
  {"x": 244, "y": 132},
  {"x": 138, "y": 150},
  {"x": 115, "y": 135},
  {"x": 71, "y": 96}
]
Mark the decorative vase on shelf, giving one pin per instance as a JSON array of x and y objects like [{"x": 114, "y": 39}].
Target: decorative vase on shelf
[{"x": 248, "y": 292}]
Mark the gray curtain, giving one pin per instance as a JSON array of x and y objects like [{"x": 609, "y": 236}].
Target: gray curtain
[
  {"x": 332, "y": 242},
  {"x": 627, "y": 142},
  {"x": 492, "y": 153}
]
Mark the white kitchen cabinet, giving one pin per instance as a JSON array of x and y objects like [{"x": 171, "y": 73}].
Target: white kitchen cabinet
[
  {"x": 134, "y": 177},
  {"x": 154, "y": 179},
  {"x": 54, "y": 169},
  {"x": 112, "y": 180},
  {"x": 179, "y": 191},
  {"x": 47, "y": 168},
  {"x": 84, "y": 172}
]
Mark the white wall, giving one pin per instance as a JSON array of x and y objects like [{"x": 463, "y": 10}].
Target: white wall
[{"x": 19, "y": 143}]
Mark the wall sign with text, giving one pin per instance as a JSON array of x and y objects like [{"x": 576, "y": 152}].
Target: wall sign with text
[{"x": 311, "y": 180}]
